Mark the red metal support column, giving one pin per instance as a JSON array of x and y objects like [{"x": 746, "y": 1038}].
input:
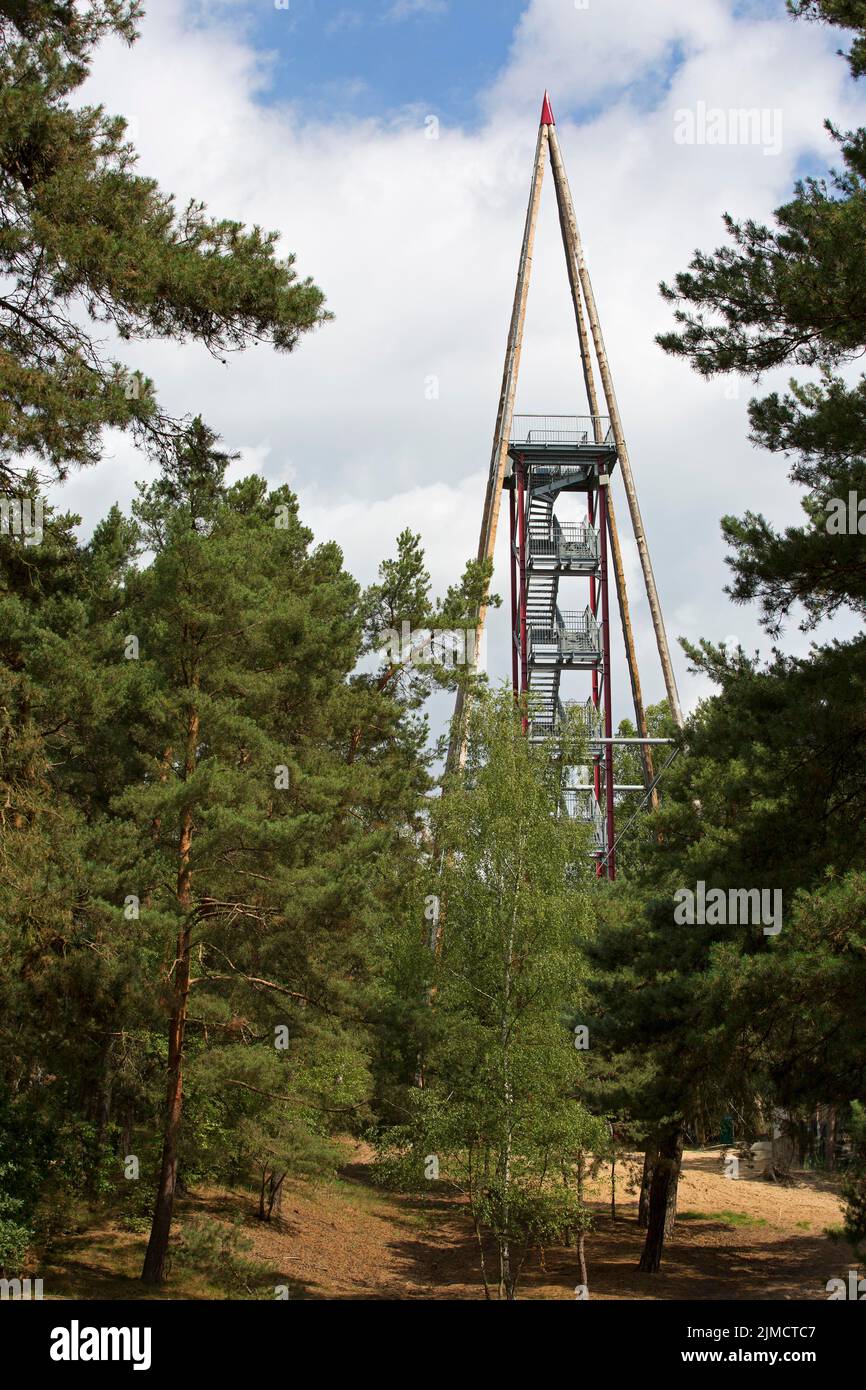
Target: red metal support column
[
  {"x": 593, "y": 608},
  {"x": 512, "y": 548},
  {"x": 521, "y": 524},
  {"x": 608, "y": 705},
  {"x": 593, "y": 590}
]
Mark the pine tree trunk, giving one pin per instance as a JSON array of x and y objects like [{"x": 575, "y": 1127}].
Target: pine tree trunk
[
  {"x": 105, "y": 1090},
  {"x": 276, "y": 1205},
  {"x": 830, "y": 1139},
  {"x": 157, "y": 1246},
  {"x": 262, "y": 1190},
  {"x": 801, "y": 1142},
  {"x": 271, "y": 1195},
  {"x": 673, "y": 1191},
  {"x": 126, "y": 1133},
  {"x": 662, "y": 1199},
  {"x": 160, "y": 1231},
  {"x": 649, "y": 1159}
]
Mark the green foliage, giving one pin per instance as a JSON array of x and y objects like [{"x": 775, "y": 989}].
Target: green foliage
[
  {"x": 753, "y": 306},
  {"x": 499, "y": 1111},
  {"x": 218, "y": 1250},
  {"x": 635, "y": 823},
  {"x": 243, "y": 623},
  {"x": 421, "y": 643},
  {"x": 854, "y": 1187},
  {"x": 768, "y": 790},
  {"x": 845, "y": 14},
  {"x": 15, "y": 1237},
  {"x": 86, "y": 241},
  {"x": 794, "y": 293},
  {"x": 246, "y": 794}
]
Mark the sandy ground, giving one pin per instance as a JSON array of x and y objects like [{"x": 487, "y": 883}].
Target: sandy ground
[
  {"x": 745, "y": 1239},
  {"x": 422, "y": 1248}
]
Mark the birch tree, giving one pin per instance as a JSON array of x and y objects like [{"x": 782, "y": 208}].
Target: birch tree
[{"x": 500, "y": 1117}]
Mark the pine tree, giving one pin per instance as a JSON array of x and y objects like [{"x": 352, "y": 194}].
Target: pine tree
[
  {"x": 88, "y": 242},
  {"x": 63, "y": 698},
  {"x": 253, "y": 840},
  {"x": 795, "y": 294},
  {"x": 769, "y": 790}
]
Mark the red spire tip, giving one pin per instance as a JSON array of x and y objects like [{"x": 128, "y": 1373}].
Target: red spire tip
[{"x": 547, "y": 117}]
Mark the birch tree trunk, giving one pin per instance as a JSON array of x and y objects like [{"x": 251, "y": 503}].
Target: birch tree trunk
[{"x": 507, "y": 1278}]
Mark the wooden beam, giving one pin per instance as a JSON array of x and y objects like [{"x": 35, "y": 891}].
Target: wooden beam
[
  {"x": 631, "y": 655},
  {"x": 568, "y": 226},
  {"x": 502, "y": 434},
  {"x": 619, "y": 438}
]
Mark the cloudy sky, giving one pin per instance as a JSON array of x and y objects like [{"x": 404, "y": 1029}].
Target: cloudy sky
[{"x": 315, "y": 117}]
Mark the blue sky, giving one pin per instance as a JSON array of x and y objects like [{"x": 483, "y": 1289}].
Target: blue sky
[{"x": 371, "y": 57}]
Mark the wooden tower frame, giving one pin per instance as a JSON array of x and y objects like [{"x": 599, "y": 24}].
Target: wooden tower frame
[{"x": 507, "y": 472}]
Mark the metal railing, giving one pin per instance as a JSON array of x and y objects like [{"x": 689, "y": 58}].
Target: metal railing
[
  {"x": 590, "y": 722},
  {"x": 571, "y": 541},
  {"x": 572, "y": 634},
  {"x": 577, "y": 624},
  {"x": 589, "y": 718},
  {"x": 577, "y": 430},
  {"x": 581, "y": 805}
]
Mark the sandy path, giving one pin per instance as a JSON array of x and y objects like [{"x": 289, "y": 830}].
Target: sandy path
[
  {"x": 357, "y": 1243},
  {"x": 346, "y": 1240}
]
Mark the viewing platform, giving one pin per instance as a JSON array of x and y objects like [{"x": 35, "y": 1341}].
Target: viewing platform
[
  {"x": 565, "y": 547},
  {"x": 555, "y": 447}
]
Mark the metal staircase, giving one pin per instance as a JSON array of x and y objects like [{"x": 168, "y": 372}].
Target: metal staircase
[
  {"x": 552, "y": 456},
  {"x": 542, "y": 591},
  {"x": 556, "y": 639}
]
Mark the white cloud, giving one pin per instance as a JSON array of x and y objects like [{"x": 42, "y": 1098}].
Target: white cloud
[
  {"x": 415, "y": 242},
  {"x": 580, "y": 53}
]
